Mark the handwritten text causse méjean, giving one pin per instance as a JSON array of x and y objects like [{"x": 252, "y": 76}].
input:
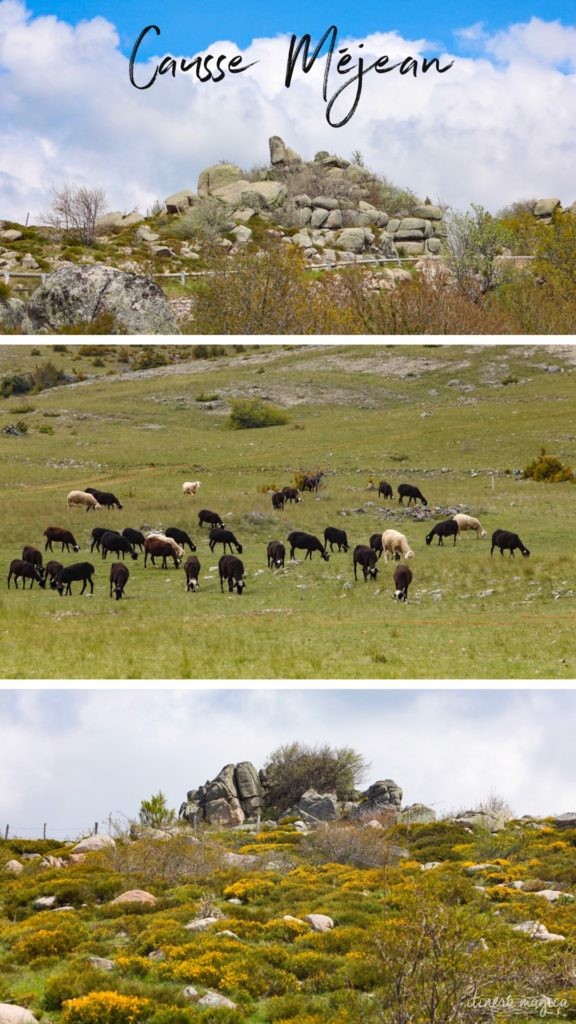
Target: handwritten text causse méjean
[{"x": 211, "y": 67}]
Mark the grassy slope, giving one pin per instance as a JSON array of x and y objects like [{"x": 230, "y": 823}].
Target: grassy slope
[{"x": 437, "y": 416}]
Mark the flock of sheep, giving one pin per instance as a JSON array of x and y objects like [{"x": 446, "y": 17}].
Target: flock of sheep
[{"x": 171, "y": 544}]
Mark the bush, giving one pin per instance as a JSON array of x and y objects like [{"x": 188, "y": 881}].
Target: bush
[
  {"x": 104, "y": 1008},
  {"x": 549, "y": 469},
  {"x": 155, "y": 812},
  {"x": 295, "y": 767},
  {"x": 251, "y": 413},
  {"x": 207, "y": 219},
  {"x": 349, "y": 844},
  {"x": 5, "y": 291},
  {"x": 15, "y": 384}
]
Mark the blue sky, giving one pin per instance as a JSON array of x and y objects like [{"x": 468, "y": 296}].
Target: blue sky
[
  {"x": 189, "y": 29},
  {"x": 99, "y": 753},
  {"x": 499, "y": 126}
]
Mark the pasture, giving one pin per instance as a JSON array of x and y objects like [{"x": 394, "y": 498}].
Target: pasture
[{"x": 459, "y": 421}]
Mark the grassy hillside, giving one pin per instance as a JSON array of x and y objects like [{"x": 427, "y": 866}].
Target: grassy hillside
[
  {"x": 430, "y": 946},
  {"x": 460, "y": 421}
]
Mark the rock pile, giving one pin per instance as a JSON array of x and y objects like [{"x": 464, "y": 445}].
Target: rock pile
[{"x": 233, "y": 797}]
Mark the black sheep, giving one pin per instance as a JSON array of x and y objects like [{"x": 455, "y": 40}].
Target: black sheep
[
  {"x": 276, "y": 553},
  {"x": 231, "y": 570},
  {"x": 118, "y": 544},
  {"x": 298, "y": 539},
  {"x": 402, "y": 580},
  {"x": 119, "y": 574},
  {"x": 505, "y": 540},
  {"x": 410, "y": 492},
  {"x": 225, "y": 537},
  {"x": 367, "y": 558},
  {"x": 180, "y": 536},
  {"x": 447, "y": 528},
  {"x": 332, "y": 536}
]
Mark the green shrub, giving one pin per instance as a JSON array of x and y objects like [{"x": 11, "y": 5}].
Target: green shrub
[
  {"x": 76, "y": 980},
  {"x": 549, "y": 469},
  {"x": 250, "y": 413},
  {"x": 5, "y": 291},
  {"x": 104, "y": 1008},
  {"x": 15, "y": 384}
]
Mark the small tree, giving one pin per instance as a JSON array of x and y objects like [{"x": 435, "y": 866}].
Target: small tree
[
  {"x": 155, "y": 812},
  {"x": 75, "y": 209},
  {"x": 249, "y": 413},
  {"x": 295, "y": 767},
  {"x": 474, "y": 241}
]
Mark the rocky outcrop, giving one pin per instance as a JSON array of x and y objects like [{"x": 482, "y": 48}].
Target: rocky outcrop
[
  {"x": 383, "y": 795},
  {"x": 234, "y": 796},
  {"x": 94, "y": 843},
  {"x": 314, "y": 807},
  {"x": 215, "y": 177},
  {"x": 79, "y": 294},
  {"x": 12, "y": 1014}
]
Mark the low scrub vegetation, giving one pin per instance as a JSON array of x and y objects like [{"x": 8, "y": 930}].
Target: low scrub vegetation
[{"x": 405, "y": 944}]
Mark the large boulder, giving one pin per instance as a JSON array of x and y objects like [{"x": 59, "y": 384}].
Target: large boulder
[
  {"x": 13, "y": 315},
  {"x": 74, "y": 295},
  {"x": 383, "y": 794},
  {"x": 545, "y": 207},
  {"x": 227, "y": 800},
  {"x": 351, "y": 240},
  {"x": 216, "y": 177},
  {"x": 567, "y": 820},
  {"x": 180, "y": 202},
  {"x": 271, "y": 193},
  {"x": 92, "y": 844},
  {"x": 135, "y": 896},
  {"x": 321, "y": 806},
  {"x": 281, "y": 154},
  {"x": 12, "y": 1014}
]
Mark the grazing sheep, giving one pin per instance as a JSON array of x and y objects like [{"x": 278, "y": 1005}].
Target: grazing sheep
[
  {"x": 332, "y": 536},
  {"x": 120, "y": 545},
  {"x": 367, "y": 558},
  {"x": 395, "y": 544},
  {"x": 402, "y": 580},
  {"x": 190, "y": 487},
  {"x": 384, "y": 489},
  {"x": 181, "y": 537},
  {"x": 275, "y": 553},
  {"x": 212, "y": 518},
  {"x": 469, "y": 523},
  {"x": 278, "y": 500},
  {"x": 298, "y": 539},
  {"x": 134, "y": 536},
  {"x": 78, "y": 571},
  {"x": 97, "y": 534},
  {"x": 82, "y": 498},
  {"x": 63, "y": 537},
  {"x": 119, "y": 574},
  {"x": 33, "y": 556},
  {"x": 410, "y": 492},
  {"x": 447, "y": 528},
  {"x": 176, "y": 547},
  {"x": 51, "y": 573},
  {"x": 156, "y": 547},
  {"x": 312, "y": 482},
  {"x": 225, "y": 537},
  {"x": 105, "y": 498},
  {"x": 504, "y": 540},
  {"x": 19, "y": 569},
  {"x": 291, "y": 494},
  {"x": 231, "y": 569},
  {"x": 376, "y": 543},
  {"x": 192, "y": 572}
]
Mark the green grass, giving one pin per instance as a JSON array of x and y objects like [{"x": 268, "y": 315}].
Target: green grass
[{"x": 437, "y": 416}]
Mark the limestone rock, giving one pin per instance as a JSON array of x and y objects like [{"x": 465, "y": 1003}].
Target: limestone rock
[
  {"x": 180, "y": 202},
  {"x": 76, "y": 294},
  {"x": 320, "y": 922},
  {"x": 217, "y": 176},
  {"x": 216, "y": 999},
  {"x": 135, "y": 896},
  {"x": 12, "y": 1014},
  {"x": 545, "y": 207},
  {"x": 14, "y": 867}
]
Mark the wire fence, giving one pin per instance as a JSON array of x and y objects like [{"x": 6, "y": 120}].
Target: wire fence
[{"x": 45, "y": 831}]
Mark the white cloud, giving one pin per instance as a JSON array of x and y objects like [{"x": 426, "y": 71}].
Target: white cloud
[
  {"x": 483, "y": 132},
  {"x": 73, "y": 757}
]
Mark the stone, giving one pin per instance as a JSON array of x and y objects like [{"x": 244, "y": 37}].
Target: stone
[
  {"x": 132, "y": 218},
  {"x": 180, "y": 202},
  {"x": 162, "y": 250},
  {"x": 216, "y": 177},
  {"x": 272, "y": 193},
  {"x": 430, "y": 865},
  {"x": 135, "y": 896},
  {"x": 11, "y": 235},
  {"x": 216, "y": 999},
  {"x": 418, "y": 814},
  {"x": 75, "y": 294},
  {"x": 319, "y": 217},
  {"x": 301, "y": 217},
  {"x": 434, "y": 246},
  {"x": 301, "y": 238},
  {"x": 45, "y": 903},
  {"x": 294, "y": 920},
  {"x": 567, "y": 820},
  {"x": 536, "y": 930},
  {"x": 14, "y": 867},
  {"x": 201, "y": 924},
  {"x": 242, "y": 234},
  {"x": 411, "y": 248},
  {"x": 302, "y": 200},
  {"x": 393, "y": 225},
  {"x": 351, "y": 239},
  {"x": 10, "y": 1013},
  {"x": 320, "y": 922},
  {"x": 553, "y": 894},
  {"x": 145, "y": 234},
  {"x": 325, "y": 202},
  {"x": 243, "y": 215},
  {"x": 383, "y": 794},
  {"x": 52, "y": 862},
  {"x": 101, "y": 963},
  {"x": 334, "y": 220},
  {"x": 490, "y": 820},
  {"x": 28, "y": 262},
  {"x": 224, "y": 812},
  {"x": 323, "y": 806},
  {"x": 190, "y": 992},
  {"x": 387, "y": 247},
  {"x": 545, "y": 207},
  {"x": 428, "y": 212}
]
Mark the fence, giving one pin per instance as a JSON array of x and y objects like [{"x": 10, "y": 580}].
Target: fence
[{"x": 16, "y": 831}]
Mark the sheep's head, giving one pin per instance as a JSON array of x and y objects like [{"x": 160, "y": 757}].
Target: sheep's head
[{"x": 409, "y": 553}]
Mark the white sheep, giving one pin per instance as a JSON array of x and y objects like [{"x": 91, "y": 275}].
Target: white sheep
[
  {"x": 395, "y": 544},
  {"x": 190, "y": 487},
  {"x": 87, "y": 501},
  {"x": 469, "y": 523},
  {"x": 178, "y": 551}
]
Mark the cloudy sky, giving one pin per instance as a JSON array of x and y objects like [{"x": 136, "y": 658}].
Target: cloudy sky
[
  {"x": 72, "y": 757},
  {"x": 499, "y": 125}
]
